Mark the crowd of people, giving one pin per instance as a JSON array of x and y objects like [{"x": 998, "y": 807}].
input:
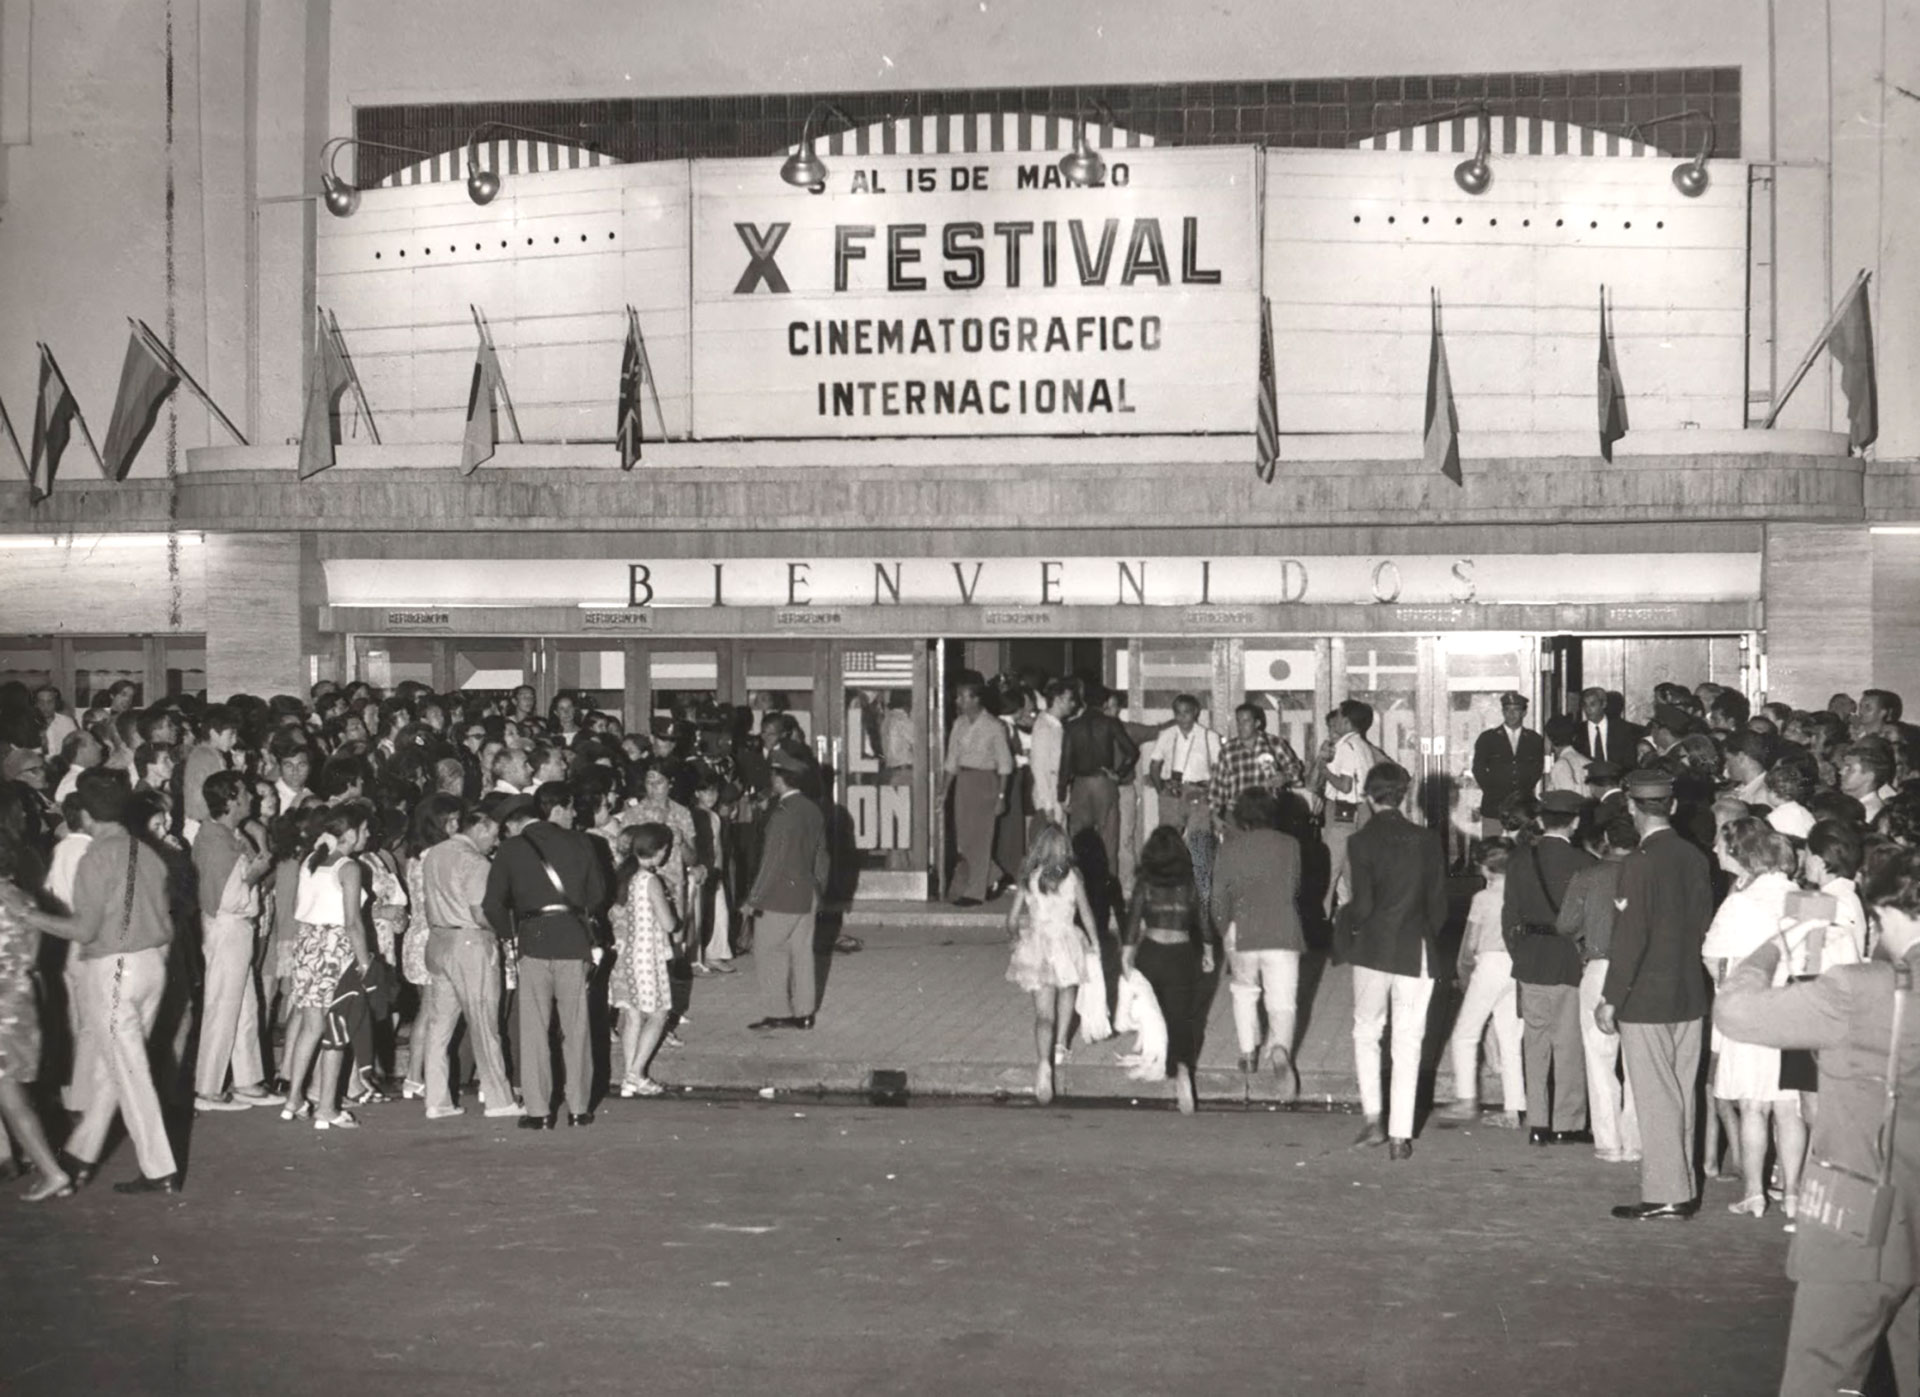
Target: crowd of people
[{"x": 262, "y": 897}]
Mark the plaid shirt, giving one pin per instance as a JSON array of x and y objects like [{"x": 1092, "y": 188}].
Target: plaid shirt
[{"x": 1240, "y": 767}]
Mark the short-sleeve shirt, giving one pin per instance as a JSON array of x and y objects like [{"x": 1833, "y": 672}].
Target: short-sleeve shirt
[
  {"x": 1353, "y": 756},
  {"x": 1186, "y": 756},
  {"x": 979, "y": 744}
]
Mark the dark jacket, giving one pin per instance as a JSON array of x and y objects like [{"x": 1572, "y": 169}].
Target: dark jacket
[
  {"x": 1621, "y": 737},
  {"x": 1399, "y": 876},
  {"x": 1665, "y": 902},
  {"x": 1504, "y": 773},
  {"x": 1256, "y": 881},
  {"x": 1846, "y": 1015},
  {"x": 522, "y": 901},
  {"x": 793, "y": 861},
  {"x": 1530, "y": 913}
]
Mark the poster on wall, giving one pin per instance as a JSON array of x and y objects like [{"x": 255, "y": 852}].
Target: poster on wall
[{"x": 976, "y": 294}]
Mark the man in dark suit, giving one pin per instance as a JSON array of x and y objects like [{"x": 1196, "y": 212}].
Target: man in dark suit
[
  {"x": 1547, "y": 967},
  {"x": 1508, "y": 761},
  {"x": 544, "y": 889},
  {"x": 1605, "y": 736},
  {"x": 1656, "y": 994},
  {"x": 1387, "y": 932},
  {"x": 786, "y": 894}
]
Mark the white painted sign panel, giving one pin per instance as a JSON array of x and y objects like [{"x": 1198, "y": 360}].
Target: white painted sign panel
[
  {"x": 807, "y": 592},
  {"x": 976, "y": 294}
]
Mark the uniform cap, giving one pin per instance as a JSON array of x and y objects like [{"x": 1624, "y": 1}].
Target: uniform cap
[
  {"x": 1649, "y": 785},
  {"x": 1563, "y": 802}
]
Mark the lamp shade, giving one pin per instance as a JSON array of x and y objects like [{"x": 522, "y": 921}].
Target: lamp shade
[{"x": 804, "y": 168}]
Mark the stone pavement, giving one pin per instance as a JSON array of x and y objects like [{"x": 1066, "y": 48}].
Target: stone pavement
[{"x": 930, "y": 999}]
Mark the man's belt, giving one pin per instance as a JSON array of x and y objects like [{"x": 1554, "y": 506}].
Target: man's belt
[{"x": 553, "y": 909}]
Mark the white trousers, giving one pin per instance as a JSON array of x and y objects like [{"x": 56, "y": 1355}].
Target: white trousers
[
  {"x": 230, "y": 1013},
  {"x": 1616, "y": 1125},
  {"x": 1490, "y": 995},
  {"x": 1271, "y": 976},
  {"x": 1379, "y": 996},
  {"x": 123, "y": 999}
]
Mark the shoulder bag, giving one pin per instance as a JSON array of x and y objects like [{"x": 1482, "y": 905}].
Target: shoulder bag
[
  {"x": 566, "y": 903},
  {"x": 1853, "y": 1206}
]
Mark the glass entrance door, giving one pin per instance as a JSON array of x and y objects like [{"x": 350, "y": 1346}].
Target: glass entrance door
[{"x": 878, "y": 752}]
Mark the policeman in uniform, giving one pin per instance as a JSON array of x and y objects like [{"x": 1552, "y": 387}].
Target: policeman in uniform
[{"x": 1655, "y": 995}]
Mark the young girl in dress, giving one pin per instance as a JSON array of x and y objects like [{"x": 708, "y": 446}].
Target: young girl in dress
[
  {"x": 1054, "y": 952},
  {"x": 330, "y": 906},
  {"x": 644, "y": 923}
]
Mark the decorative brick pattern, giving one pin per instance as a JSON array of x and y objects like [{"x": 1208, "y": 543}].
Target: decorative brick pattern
[{"x": 1330, "y": 112}]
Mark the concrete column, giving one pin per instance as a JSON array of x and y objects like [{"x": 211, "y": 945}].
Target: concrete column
[
  {"x": 254, "y": 615},
  {"x": 1818, "y": 581}
]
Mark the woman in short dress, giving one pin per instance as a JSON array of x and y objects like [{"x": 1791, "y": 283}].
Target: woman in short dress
[
  {"x": 1762, "y": 862},
  {"x": 1053, "y": 951},
  {"x": 20, "y": 926},
  {"x": 330, "y": 906},
  {"x": 433, "y": 821},
  {"x": 644, "y": 921}
]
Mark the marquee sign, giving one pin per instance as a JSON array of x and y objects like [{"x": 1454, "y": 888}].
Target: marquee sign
[
  {"x": 812, "y": 594},
  {"x": 975, "y": 295}
]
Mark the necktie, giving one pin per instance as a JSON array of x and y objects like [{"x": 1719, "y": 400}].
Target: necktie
[{"x": 1597, "y": 743}]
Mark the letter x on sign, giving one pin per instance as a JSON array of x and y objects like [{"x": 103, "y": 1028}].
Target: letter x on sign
[{"x": 760, "y": 264}]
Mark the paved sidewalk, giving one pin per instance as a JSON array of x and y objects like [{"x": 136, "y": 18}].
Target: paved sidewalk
[{"x": 934, "y": 1003}]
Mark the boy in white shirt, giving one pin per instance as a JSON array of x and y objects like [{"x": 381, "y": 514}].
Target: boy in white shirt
[{"x": 1486, "y": 969}]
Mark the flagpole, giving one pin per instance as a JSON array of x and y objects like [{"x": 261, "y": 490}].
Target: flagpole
[
  {"x": 1819, "y": 343},
  {"x": 353, "y": 374},
  {"x": 78, "y": 415},
  {"x": 6, "y": 425},
  {"x": 646, "y": 368},
  {"x": 156, "y": 344},
  {"x": 500, "y": 379}
]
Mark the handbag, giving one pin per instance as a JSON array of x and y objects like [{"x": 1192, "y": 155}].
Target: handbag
[
  {"x": 1541, "y": 955},
  {"x": 1852, "y": 1206}
]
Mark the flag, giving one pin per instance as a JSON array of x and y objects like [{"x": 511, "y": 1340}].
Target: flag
[
  {"x": 1442, "y": 424},
  {"x": 1851, "y": 342},
  {"x": 54, "y": 414},
  {"x": 1266, "y": 425},
  {"x": 1613, "y": 393},
  {"x": 327, "y": 381},
  {"x": 483, "y": 421},
  {"x": 146, "y": 381},
  {"x": 630, "y": 429},
  {"x": 6, "y": 429}
]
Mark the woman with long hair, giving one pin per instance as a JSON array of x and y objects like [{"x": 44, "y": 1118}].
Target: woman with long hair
[
  {"x": 434, "y": 819},
  {"x": 331, "y": 911},
  {"x": 1762, "y": 862},
  {"x": 1055, "y": 949},
  {"x": 21, "y": 923},
  {"x": 644, "y": 922},
  {"x": 1169, "y": 939}
]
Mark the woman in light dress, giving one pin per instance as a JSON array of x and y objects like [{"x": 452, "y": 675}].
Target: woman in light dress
[
  {"x": 330, "y": 906},
  {"x": 644, "y": 923},
  {"x": 1762, "y": 862},
  {"x": 1054, "y": 948}
]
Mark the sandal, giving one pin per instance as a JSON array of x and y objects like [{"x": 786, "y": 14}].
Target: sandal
[
  {"x": 646, "y": 1086},
  {"x": 699, "y": 967},
  {"x": 346, "y": 1120},
  {"x": 297, "y": 1111},
  {"x": 1755, "y": 1205},
  {"x": 53, "y": 1186},
  {"x": 722, "y": 967}
]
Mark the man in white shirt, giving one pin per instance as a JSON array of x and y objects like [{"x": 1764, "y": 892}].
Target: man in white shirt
[
  {"x": 511, "y": 773},
  {"x": 46, "y": 702},
  {"x": 1179, "y": 767},
  {"x": 1339, "y": 774},
  {"x": 1045, "y": 745},
  {"x": 1567, "y": 771},
  {"x": 60, "y": 871},
  {"x": 1865, "y": 766}
]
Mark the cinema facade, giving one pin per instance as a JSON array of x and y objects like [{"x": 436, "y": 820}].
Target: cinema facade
[{"x": 947, "y": 410}]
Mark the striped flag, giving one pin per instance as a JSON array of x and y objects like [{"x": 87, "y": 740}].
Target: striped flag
[
  {"x": 1613, "y": 393},
  {"x": 1266, "y": 427},
  {"x": 483, "y": 404},
  {"x": 6, "y": 430},
  {"x": 869, "y": 669},
  {"x": 147, "y": 380},
  {"x": 55, "y": 413},
  {"x": 1442, "y": 424},
  {"x": 634, "y": 374},
  {"x": 1851, "y": 342},
  {"x": 320, "y": 429}
]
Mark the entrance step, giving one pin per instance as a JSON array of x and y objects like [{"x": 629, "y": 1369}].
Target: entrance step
[{"x": 986, "y": 922}]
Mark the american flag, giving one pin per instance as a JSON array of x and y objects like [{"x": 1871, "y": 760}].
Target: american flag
[
  {"x": 884, "y": 669},
  {"x": 1266, "y": 430}
]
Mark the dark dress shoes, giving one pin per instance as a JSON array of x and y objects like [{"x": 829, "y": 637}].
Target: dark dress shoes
[
  {"x": 762, "y": 1025},
  {"x": 804, "y": 1021},
  {"x": 1538, "y": 1136},
  {"x": 584, "y": 1118},
  {"x": 1656, "y": 1212},
  {"x": 1573, "y": 1137},
  {"x": 166, "y": 1183},
  {"x": 536, "y": 1122},
  {"x": 1399, "y": 1149},
  {"x": 78, "y": 1170}
]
